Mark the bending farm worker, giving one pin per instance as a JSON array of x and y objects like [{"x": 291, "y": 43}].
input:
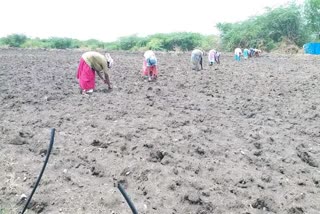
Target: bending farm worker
[
  {"x": 245, "y": 53},
  {"x": 91, "y": 63},
  {"x": 213, "y": 56},
  {"x": 237, "y": 54},
  {"x": 196, "y": 59},
  {"x": 251, "y": 52},
  {"x": 150, "y": 69},
  {"x": 257, "y": 52}
]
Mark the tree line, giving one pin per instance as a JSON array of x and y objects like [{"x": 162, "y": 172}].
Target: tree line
[
  {"x": 291, "y": 23},
  {"x": 182, "y": 41}
]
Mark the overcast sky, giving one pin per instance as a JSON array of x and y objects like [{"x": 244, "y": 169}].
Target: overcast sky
[{"x": 107, "y": 20}]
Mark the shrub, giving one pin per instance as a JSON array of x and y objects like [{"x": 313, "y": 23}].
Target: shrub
[
  {"x": 15, "y": 40},
  {"x": 35, "y": 43},
  {"x": 60, "y": 43},
  {"x": 155, "y": 44}
]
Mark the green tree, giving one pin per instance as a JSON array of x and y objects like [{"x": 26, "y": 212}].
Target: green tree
[
  {"x": 285, "y": 22},
  {"x": 15, "y": 40},
  {"x": 312, "y": 14},
  {"x": 266, "y": 31}
]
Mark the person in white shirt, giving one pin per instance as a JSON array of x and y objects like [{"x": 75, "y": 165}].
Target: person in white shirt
[
  {"x": 213, "y": 56},
  {"x": 237, "y": 54}
]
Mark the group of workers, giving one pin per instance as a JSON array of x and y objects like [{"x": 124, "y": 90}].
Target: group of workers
[
  {"x": 251, "y": 52},
  {"x": 197, "y": 58},
  {"x": 93, "y": 62}
]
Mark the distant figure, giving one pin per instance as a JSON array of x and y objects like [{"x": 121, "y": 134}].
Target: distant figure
[
  {"x": 237, "y": 54},
  {"x": 213, "y": 56},
  {"x": 251, "y": 52},
  {"x": 245, "y": 53},
  {"x": 257, "y": 52},
  {"x": 149, "y": 69},
  {"x": 91, "y": 63},
  {"x": 196, "y": 59}
]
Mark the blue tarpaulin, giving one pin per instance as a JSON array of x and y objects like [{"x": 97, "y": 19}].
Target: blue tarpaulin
[{"x": 312, "y": 48}]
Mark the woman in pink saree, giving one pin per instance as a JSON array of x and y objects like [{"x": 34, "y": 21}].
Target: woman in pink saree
[
  {"x": 91, "y": 63},
  {"x": 149, "y": 68}
]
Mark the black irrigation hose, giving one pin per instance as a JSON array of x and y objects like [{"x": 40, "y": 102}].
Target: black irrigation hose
[
  {"x": 43, "y": 168},
  {"x": 123, "y": 192}
]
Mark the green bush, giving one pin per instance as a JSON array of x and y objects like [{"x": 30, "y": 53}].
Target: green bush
[
  {"x": 155, "y": 44},
  {"x": 60, "y": 43},
  {"x": 15, "y": 40},
  {"x": 112, "y": 46},
  {"x": 210, "y": 42},
  {"x": 2, "y": 42},
  {"x": 129, "y": 42},
  {"x": 92, "y": 44},
  {"x": 35, "y": 43},
  {"x": 182, "y": 40}
]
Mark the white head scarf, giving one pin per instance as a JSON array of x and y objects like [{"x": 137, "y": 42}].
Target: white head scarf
[{"x": 109, "y": 60}]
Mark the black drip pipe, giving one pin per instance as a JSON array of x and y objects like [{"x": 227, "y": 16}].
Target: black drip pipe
[
  {"x": 43, "y": 168},
  {"x": 123, "y": 192}
]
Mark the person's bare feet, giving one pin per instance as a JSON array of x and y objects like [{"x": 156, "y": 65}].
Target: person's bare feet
[{"x": 87, "y": 92}]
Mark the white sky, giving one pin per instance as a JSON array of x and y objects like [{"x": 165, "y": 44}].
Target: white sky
[{"x": 107, "y": 20}]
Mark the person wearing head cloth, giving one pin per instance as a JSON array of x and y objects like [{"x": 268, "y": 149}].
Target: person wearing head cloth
[
  {"x": 196, "y": 59},
  {"x": 213, "y": 57},
  {"x": 92, "y": 62},
  {"x": 251, "y": 52},
  {"x": 257, "y": 52},
  {"x": 237, "y": 54},
  {"x": 150, "y": 68},
  {"x": 246, "y": 53}
]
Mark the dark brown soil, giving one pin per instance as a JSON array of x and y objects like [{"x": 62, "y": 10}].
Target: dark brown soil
[{"x": 239, "y": 138}]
